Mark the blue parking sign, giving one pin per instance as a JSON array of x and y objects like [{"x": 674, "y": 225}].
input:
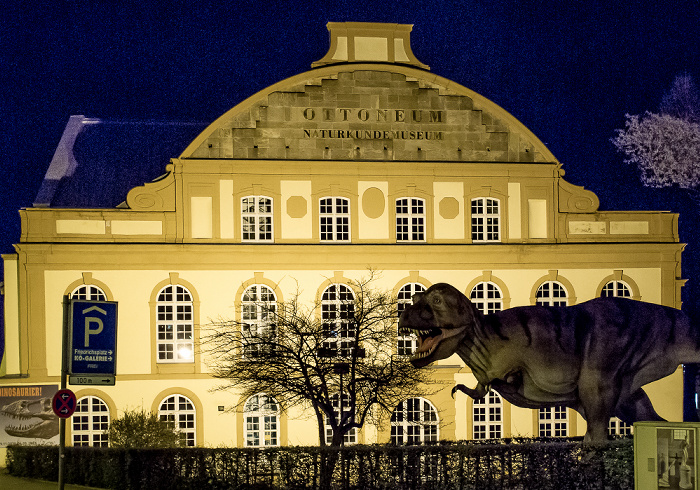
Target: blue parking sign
[{"x": 93, "y": 338}]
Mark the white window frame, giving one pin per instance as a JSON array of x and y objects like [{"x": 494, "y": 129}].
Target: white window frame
[
  {"x": 175, "y": 325},
  {"x": 334, "y": 219},
  {"x": 88, "y": 292},
  {"x": 258, "y": 309},
  {"x": 487, "y": 297},
  {"x": 487, "y": 417},
  {"x": 262, "y": 421},
  {"x": 410, "y": 219},
  {"x": 485, "y": 219},
  {"x": 553, "y": 421},
  {"x": 415, "y": 421},
  {"x": 90, "y": 422},
  {"x": 338, "y": 317},
  {"x": 178, "y": 411},
  {"x": 257, "y": 213},
  {"x": 552, "y": 293},
  {"x": 406, "y": 345},
  {"x": 617, "y": 427},
  {"x": 616, "y": 289},
  {"x": 350, "y": 437}
]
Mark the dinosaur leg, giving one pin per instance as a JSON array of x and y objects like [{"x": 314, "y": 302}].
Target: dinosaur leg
[
  {"x": 637, "y": 407},
  {"x": 598, "y": 395},
  {"x": 478, "y": 393}
]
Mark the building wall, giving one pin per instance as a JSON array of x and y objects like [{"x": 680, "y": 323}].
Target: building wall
[{"x": 297, "y": 142}]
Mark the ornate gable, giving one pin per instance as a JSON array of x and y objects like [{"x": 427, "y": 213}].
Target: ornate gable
[{"x": 369, "y": 112}]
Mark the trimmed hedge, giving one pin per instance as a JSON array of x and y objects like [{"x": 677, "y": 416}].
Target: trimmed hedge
[{"x": 511, "y": 464}]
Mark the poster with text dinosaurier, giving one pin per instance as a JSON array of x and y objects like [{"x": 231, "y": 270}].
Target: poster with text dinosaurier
[{"x": 26, "y": 415}]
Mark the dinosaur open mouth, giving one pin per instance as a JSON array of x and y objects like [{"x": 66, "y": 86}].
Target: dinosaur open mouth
[{"x": 428, "y": 341}]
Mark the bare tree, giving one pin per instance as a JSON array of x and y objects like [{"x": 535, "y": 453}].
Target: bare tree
[
  {"x": 682, "y": 99},
  {"x": 336, "y": 355},
  {"x": 666, "y": 147}
]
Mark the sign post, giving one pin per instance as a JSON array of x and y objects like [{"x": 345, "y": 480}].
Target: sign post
[{"x": 89, "y": 354}]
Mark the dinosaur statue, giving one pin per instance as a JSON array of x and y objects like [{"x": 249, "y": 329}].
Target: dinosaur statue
[
  {"x": 593, "y": 357},
  {"x": 26, "y": 410}
]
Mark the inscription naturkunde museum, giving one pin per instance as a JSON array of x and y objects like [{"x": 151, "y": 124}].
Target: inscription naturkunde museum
[{"x": 373, "y": 116}]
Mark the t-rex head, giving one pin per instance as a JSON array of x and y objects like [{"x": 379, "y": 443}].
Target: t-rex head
[{"x": 440, "y": 318}]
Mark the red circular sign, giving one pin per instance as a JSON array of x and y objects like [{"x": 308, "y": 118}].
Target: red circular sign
[{"x": 64, "y": 403}]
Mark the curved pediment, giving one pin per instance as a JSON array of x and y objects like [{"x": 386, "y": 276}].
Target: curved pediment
[{"x": 369, "y": 112}]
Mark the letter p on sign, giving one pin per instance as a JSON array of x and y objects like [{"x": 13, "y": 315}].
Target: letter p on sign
[{"x": 90, "y": 320}]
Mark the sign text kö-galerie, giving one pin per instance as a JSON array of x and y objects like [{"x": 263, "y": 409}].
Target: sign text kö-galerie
[{"x": 373, "y": 116}]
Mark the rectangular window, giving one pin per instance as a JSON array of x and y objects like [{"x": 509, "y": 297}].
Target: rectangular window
[
  {"x": 486, "y": 220},
  {"x": 334, "y": 219},
  {"x": 256, "y": 219},
  {"x": 410, "y": 220},
  {"x": 553, "y": 422}
]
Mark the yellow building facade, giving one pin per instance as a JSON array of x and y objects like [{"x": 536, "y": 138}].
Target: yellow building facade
[{"x": 368, "y": 160}]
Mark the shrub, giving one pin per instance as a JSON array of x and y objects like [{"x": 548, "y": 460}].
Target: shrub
[{"x": 137, "y": 429}]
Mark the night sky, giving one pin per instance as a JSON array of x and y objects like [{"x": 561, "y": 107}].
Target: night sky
[{"x": 568, "y": 70}]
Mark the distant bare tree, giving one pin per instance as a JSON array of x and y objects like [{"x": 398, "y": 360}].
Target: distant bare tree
[
  {"x": 666, "y": 147},
  {"x": 682, "y": 99}
]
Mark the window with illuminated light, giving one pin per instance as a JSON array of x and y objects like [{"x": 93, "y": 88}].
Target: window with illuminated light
[
  {"x": 338, "y": 315},
  {"x": 179, "y": 413},
  {"x": 90, "y": 422},
  {"x": 552, "y": 293},
  {"x": 553, "y": 422},
  {"x": 256, "y": 219},
  {"x": 406, "y": 345},
  {"x": 618, "y": 289},
  {"x": 488, "y": 417},
  {"x": 261, "y": 414},
  {"x": 414, "y": 421},
  {"x": 88, "y": 292},
  {"x": 258, "y": 309},
  {"x": 175, "y": 325},
  {"x": 410, "y": 219},
  {"x": 334, "y": 219},
  {"x": 486, "y": 219},
  {"x": 487, "y": 297}
]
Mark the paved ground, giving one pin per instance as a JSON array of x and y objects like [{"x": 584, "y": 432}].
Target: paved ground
[{"x": 8, "y": 482}]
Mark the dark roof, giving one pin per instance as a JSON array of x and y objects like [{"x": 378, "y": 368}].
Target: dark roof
[{"x": 98, "y": 161}]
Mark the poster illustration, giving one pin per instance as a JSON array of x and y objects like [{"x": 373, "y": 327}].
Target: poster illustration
[
  {"x": 26, "y": 415},
  {"x": 675, "y": 452}
]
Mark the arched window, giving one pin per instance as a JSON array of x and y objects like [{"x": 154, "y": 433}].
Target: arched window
[
  {"x": 338, "y": 315},
  {"x": 178, "y": 411},
  {"x": 258, "y": 309},
  {"x": 552, "y": 293},
  {"x": 88, "y": 292},
  {"x": 414, "y": 421},
  {"x": 487, "y": 297},
  {"x": 350, "y": 437},
  {"x": 410, "y": 219},
  {"x": 616, "y": 289},
  {"x": 256, "y": 219},
  {"x": 334, "y": 219},
  {"x": 406, "y": 345},
  {"x": 175, "y": 325},
  {"x": 261, "y": 414},
  {"x": 486, "y": 219},
  {"x": 553, "y": 422},
  {"x": 488, "y": 417},
  {"x": 90, "y": 422}
]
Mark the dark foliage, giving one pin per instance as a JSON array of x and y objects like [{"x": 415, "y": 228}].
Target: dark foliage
[{"x": 515, "y": 464}]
